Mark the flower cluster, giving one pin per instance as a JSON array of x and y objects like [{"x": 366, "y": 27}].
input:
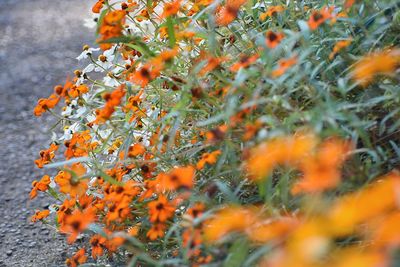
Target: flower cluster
[{"x": 229, "y": 133}]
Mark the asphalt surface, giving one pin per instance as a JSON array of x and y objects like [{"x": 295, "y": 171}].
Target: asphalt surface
[{"x": 39, "y": 40}]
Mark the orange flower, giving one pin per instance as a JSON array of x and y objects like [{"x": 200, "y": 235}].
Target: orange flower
[
  {"x": 111, "y": 26},
  {"x": 70, "y": 181},
  {"x": 133, "y": 106},
  {"x": 165, "y": 56},
  {"x": 349, "y": 3},
  {"x": 62, "y": 91},
  {"x": 379, "y": 63},
  {"x": 145, "y": 74},
  {"x": 171, "y": 8},
  {"x": 227, "y": 220},
  {"x": 338, "y": 47},
  {"x": 113, "y": 100},
  {"x": 268, "y": 230},
  {"x": 178, "y": 178},
  {"x": 281, "y": 150},
  {"x": 385, "y": 233},
  {"x": 98, "y": 6},
  {"x": 46, "y": 155},
  {"x": 45, "y": 104},
  {"x": 271, "y": 11},
  {"x": 358, "y": 257},
  {"x": 273, "y": 39},
  {"x": 161, "y": 209},
  {"x": 192, "y": 239},
  {"x": 283, "y": 66},
  {"x": 157, "y": 230},
  {"x": 322, "y": 170},
  {"x": 40, "y": 215},
  {"x": 78, "y": 259},
  {"x": 319, "y": 16},
  {"x": 97, "y": 242},
  {"x": 113, "y": 243},
  {"x": 136, "y": 150},
  {"x": 65, "y": 209},
  {"x": 42, "y": 186},
  {"x": 208, "y": 158},
  {"x": 211, "y": 64},
  {"x": 76, "y": 222},
  {"x": 196, "y": 210},
  {"x": 360, "y": 206},
  {"x": 79, "y": 145},
  {"x": 228, "y": 13},
  {"x": 78, "y": 90},
  {"x": 216, "y": 134},
  {"x": 244, "y": 62}
]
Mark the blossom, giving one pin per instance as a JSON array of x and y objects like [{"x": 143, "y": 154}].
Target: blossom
[
  {"x": 228, "y": 13},
  {"x": 319, "y": 16},
  {"x": 273, "y": 39},
  {"x": 42, "y": 186},
  {"x": 161, "y": 209},
  {"x": 281, "y": 150},
  {"x": 46, "y": 155},
  {"x": 227, "y": 220},
  {"x": 244, "y": 62},
  {"x": 76, "y": 222},
  {"x": 271, "y": 11},
  {"x": 171, "y": 8},
  {"x": 322, "y": 170},
  {"x": 283, "y": 66},
  {"x": 358, "y": 207},
  {"x": 271, "y": 229},
  {"x": 339, "y": 46},
  {"x": 70, "y": 180},
  {"x": 98, "y": 6},
  {"x": 180, "y": 177},
  {"x": 145, "y": 74},
  {"x": 157, "y": 230},
  {"x": 111, "y": 26},
  {"x": 113, "y": 100},
  {"x": 136, "y": 150},
  {"x": 208, "y": 158},
  {"x": 349, "y": 3},
  {"x": 40, "y": 215},
  {"x": 98, "y": 243},
  {"x": 78, "y": 258},
  {"x": 79, "y": 145},
  {"x": 86, "y": 52},
  {"x": 378, "y": 63},
  {"x": 45, "y": 104}
]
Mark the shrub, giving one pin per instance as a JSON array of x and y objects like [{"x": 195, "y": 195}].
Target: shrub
[{"x": 230, "y": 133}]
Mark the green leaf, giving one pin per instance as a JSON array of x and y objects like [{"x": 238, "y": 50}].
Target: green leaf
[
  {"x": 171, "y": 32},
  {"x": 237, "y": 253},
  {"x": 53, "y": 193},
  {"x": 133, "y": 42}
]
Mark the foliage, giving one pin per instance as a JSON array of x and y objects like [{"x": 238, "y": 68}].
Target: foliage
[{"x": 230, "y": 133}]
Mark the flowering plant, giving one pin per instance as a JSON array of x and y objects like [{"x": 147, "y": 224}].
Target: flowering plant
[{"x": 230, "y": 133}]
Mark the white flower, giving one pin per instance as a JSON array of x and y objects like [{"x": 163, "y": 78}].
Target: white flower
[
  {"x": 91, "y": 23},
  {"x": 89, "y": 68},
  {"x": 70, "y": 130},
  {"x": 69, "y": 109},
  {"x": 110, "y": 81},
  {"x": 79, "y": 112},
  {"x": 85, "y": 53},
  {"x": 105, "y": 61}
]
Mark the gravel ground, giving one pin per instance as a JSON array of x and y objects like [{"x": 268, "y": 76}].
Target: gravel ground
[{"x": 39, "y": 40}]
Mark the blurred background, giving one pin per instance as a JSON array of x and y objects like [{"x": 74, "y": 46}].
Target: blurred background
[{"x": 39, "y": 41}]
